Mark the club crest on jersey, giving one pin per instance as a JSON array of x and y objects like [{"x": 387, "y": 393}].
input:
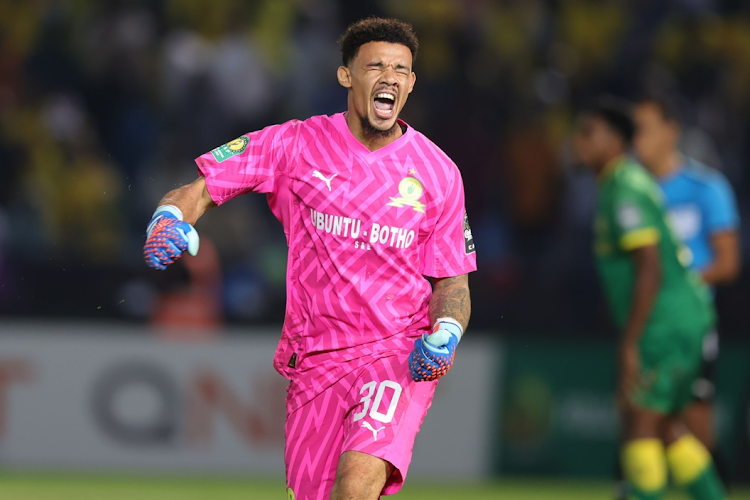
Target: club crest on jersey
[
  {"x": 411, "y": 191},
  {"x": 230, "y": 149}
]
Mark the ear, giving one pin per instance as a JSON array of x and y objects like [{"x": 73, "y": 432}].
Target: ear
[
  {"x": 344, "y": 76},
  {"x": 413, "y": 81}
]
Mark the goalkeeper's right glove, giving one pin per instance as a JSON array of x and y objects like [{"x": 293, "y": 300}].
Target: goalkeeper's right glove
[
  {"x": 433, "y": 353},
  {"x": 168, "y": 236}
]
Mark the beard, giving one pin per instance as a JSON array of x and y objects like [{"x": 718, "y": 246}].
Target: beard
[{"x": 376, "y": 133}]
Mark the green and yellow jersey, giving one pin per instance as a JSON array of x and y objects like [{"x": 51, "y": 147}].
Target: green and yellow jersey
[{"x": 630, "y": 215}]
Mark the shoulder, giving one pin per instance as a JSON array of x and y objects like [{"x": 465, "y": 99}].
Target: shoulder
[
  {"x": 296, "y": 134},
  {"x": 633, "y": 184},
  {"x": 314, "y": 125},
  {"x": 706, "y": 180},
  {"x": 631, "y": 176},
  {"x": 437, "y": 159},
  {"x": 319, "y": 122}
]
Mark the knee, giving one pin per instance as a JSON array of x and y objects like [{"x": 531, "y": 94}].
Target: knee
[
  {"x": 350, "y": 487},
  {"x": 360, "y": 477}
]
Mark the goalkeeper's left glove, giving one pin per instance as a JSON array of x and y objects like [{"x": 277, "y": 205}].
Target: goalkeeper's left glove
[
  {"x": 433, "y": 353},
  {"x": 168, "y": 236}
]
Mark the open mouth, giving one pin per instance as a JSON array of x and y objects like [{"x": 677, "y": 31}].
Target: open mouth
[{"x": 384, "y": 104}]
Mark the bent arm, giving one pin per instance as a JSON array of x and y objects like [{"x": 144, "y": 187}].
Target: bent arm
[
  {"x": 450, "y": 298},
  {"x": 192, "y": 199},
  {"x": 725, "y": 266}
]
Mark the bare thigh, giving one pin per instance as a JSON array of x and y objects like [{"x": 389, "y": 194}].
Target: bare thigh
[{"x": 641, "y": 424}]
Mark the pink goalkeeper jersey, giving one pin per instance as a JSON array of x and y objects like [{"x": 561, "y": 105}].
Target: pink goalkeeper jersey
[{"x": 363, "y": 228}]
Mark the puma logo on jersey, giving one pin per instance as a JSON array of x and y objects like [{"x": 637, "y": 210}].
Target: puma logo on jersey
[
  {"x": 367, "y": 426},
  {"x": 318, "y": 175}
]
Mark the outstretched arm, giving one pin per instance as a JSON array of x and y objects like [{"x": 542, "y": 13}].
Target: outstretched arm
[{"x": 450, "y": 299}]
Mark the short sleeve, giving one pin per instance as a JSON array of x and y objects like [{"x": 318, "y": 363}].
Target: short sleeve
[
  {"x": 636, "y": 219},
  {"x": 250, "y": 163},
  {"x": 720, "y": 206},
  {"x": 449, "y": 251}
]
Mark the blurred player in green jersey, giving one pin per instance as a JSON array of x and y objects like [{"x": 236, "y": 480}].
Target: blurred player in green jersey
[
  {"x": 703, "y": 213},
  {"x": 662, "y": 309}
]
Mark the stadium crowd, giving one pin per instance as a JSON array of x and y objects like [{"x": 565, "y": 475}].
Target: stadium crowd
[{"x": 104, "y": 104}]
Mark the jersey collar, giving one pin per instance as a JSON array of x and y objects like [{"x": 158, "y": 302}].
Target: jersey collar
[{"x": 360, "y": 149}]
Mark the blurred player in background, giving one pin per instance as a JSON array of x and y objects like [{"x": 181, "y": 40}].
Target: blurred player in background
[
  {"x": 370, "y": 207},
  {"x": 662, "y": 309},
  {"x": 703, "y": 213}
]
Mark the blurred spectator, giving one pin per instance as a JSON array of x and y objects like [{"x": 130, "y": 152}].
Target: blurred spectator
[{"x": 102, "y": 102}]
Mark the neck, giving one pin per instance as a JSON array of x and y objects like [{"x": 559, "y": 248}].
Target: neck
[
  {"x": 370, "y": 138},
  {"x": 666, "y": 165},
  {"x": 601, "y": 168}
]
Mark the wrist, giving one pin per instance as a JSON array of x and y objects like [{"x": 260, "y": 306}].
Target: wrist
[
  {"x": 163, "y": 211},
  {"x": 168, "y": 211},
  {"x": 449, "y": 325}
]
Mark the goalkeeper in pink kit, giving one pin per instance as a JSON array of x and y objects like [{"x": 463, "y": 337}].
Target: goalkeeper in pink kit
[{"x": 371, "y": 208}]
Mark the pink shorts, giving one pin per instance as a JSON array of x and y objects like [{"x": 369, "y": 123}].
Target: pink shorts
[{"x": 375, "y": 408}]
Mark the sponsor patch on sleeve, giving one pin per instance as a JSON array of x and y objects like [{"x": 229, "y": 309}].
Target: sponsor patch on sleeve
[
  {"x": 628, "y": 217},
  {"x": 230, "y": 149},
  {"x": 468, "y": 238}
]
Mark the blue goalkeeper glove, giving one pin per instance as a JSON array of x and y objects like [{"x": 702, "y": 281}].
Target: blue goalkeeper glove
[
  {"x": 433, "y": 353},
  {"x": 168, "y": 236}
]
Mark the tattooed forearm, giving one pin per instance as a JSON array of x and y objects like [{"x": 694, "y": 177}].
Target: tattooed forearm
[{"x": 450, "y": 298}]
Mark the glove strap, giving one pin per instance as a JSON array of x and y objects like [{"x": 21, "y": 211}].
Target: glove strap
[
  {"x": 451, "y": 325},
  {"x": 169, "y": 211}
]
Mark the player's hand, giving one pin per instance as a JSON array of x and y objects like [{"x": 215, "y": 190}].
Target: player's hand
[
  {"x": 168, "y": 236},
  {"x": 433, "y": 353}
]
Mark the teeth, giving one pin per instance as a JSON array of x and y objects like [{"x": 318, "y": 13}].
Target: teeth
[{"x": 385, "y": 96}]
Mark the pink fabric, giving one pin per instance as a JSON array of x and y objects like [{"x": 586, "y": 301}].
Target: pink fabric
[
  {"x": 375, "y": 408},
  {"x": 361, "y": 238}
]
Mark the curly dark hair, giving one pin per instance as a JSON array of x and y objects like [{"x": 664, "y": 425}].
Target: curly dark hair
[{"x": 377, "y": 29}]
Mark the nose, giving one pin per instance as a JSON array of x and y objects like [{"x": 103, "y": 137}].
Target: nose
[{"x": 388, "y": 76}]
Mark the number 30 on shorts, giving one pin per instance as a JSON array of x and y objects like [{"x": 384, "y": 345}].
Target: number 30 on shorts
[{"x": 368, "y": 390}]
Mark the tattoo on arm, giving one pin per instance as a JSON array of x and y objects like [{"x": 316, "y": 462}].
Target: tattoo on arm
[{"x": 450, "y": 298}]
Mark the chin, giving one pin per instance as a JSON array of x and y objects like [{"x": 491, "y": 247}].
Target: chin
[{"x": 380, "y": 128}]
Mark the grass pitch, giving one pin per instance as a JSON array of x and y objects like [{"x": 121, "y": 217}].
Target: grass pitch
[{"x": 33, "y": 486}]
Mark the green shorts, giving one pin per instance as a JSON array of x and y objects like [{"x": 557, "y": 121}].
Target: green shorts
[{"x": 670, "y": 364}]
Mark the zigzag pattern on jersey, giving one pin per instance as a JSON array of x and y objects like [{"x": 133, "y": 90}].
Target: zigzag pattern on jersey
[
  {"x": 314, "y": 438},
  {"x": 376, "y": 182},
  {"x": 310, "y": 440},
  {"x": 342, "y": 299},
  {"x": 258, "y": 166}
]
